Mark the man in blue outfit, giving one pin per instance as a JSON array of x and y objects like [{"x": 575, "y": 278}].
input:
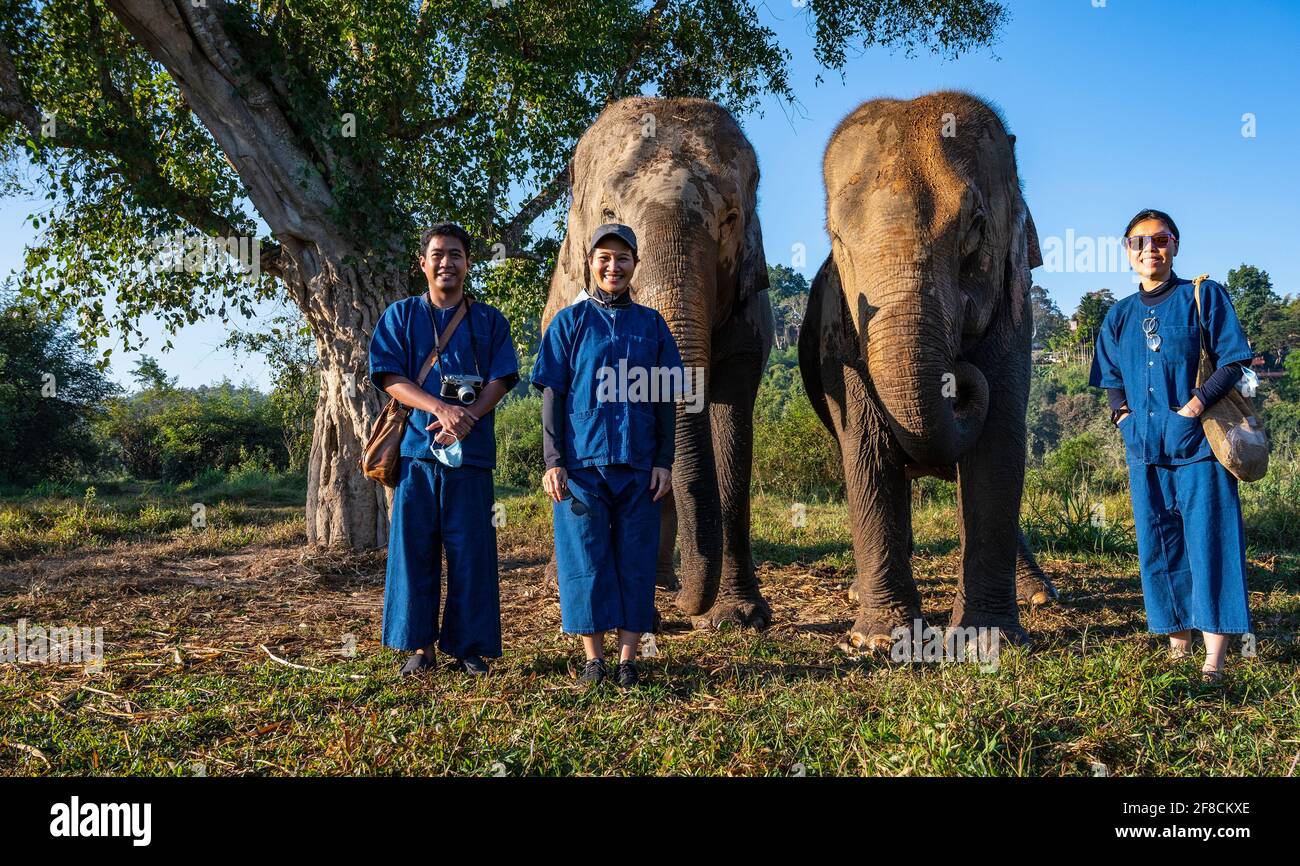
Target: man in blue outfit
[
  {"x": 1191, "y": 541},
  {"x": 444, "y": 495}
]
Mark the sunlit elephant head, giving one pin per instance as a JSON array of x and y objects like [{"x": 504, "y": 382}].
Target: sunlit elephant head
[{"x": 931, "y": 238}]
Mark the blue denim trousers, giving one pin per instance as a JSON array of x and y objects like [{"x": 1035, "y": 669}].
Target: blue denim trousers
[
  {"x": 1191, "y": 547},
  {"x": 437, "y": 508},
  {"x": 605, "y": 558}
]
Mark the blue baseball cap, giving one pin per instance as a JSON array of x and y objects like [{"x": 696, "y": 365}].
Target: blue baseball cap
[{"x": 618, "y": 230}]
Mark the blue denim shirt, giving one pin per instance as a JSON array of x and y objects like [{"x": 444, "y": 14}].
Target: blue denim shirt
[
  {"x": 581, "y": 354},
  {"x": 1158, "y": 383},
  {"x": 403, "y": 338}
]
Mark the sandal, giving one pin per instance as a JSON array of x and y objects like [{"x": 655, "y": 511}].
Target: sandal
[{"x": 1211, "y": 678}]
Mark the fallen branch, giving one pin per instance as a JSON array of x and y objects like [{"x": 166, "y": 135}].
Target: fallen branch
[
  {"x": 30, "y": 750},
  {"x": 276, "y": 658}
]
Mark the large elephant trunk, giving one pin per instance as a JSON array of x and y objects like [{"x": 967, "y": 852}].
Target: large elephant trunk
[
  {"x": 936, "y": 402},
  {"x": 676, "y": 276}
]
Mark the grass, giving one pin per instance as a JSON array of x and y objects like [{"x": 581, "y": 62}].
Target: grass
[
  {"x": 236, "y": 511},
  {"x": 187, "y": 687}
]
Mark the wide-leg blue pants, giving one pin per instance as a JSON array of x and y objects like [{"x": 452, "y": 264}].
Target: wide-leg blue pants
[
  {"x": 1191, "y": 547},
  {"x": 436, "y": 507},
  {"x": 605, "y": 559}
]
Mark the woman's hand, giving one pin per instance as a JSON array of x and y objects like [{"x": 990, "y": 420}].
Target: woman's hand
[
  {"x": 452, "y": 419},
  {"x": 1193, "y": 408},
  {"x": 555, "y": 482},
  {"x": 1122, "y": 416},
  {"x": 661, "y": 481}
]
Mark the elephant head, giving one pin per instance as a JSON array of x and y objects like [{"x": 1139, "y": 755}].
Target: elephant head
[
  {"x": 933, "y": 245},
  {"x": 681, "y": 173}
]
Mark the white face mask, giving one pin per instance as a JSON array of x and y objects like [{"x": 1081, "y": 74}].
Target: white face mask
[{"x": 448, "y": 455}]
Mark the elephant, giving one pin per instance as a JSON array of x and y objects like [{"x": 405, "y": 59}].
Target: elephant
[
  {"x": 915, "y": 350},
  {"x": 681, "y": 173}
]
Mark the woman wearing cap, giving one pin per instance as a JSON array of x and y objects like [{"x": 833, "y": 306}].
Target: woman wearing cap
[
  {"x": 1191, "y": 541},
  {"x": 609, "y": 449}
]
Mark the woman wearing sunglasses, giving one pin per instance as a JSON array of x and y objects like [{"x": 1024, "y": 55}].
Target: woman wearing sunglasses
[{"x": 1191, "y": 542}]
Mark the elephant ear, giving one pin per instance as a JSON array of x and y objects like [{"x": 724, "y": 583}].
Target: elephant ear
[
  {"x": 1023, "y": 255},
  {"x": 751, "y": 269},
  {"x": 1031, "y": 235}
]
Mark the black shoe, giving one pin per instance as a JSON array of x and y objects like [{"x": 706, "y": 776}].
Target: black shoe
[
  {"x": 626, "y": 676},
  {"x": 417, "y": 662},
  {"x": 473, "y": 665},
  {"x": 594, "y": 673}
]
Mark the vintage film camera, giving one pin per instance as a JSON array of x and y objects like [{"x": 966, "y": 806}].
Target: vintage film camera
[{"x": 461, "y": 387}]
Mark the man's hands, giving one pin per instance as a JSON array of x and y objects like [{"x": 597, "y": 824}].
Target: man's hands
[
  {"x": 661, "y": 481},
  {"x": 555, "y": 482},
  {"x": 451, "y": 422}
]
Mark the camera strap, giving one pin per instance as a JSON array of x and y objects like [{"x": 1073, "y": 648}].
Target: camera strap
[{"x": 440, "y": 343}]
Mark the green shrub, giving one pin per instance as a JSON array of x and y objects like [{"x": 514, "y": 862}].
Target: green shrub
[
  {"x": 519, "y": 441},
  {"x": 1271, "y": 507},
  {"x": 50, "y": 395},
  {"x": 1071, "y": 518},
  {"x": 794, "y": 455},
  {"x": 179, "y": 434}
]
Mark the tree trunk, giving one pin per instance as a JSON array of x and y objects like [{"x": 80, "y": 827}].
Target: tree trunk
[
  {"x": 286, "y": 178},
  {"x": 344, "y": 508}
]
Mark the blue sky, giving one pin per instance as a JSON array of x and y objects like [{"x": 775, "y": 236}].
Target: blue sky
[{"x": 1137, "y": 103}]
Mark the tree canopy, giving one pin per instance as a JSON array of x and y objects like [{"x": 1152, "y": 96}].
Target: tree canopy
[{"x": 399, "y": 112}]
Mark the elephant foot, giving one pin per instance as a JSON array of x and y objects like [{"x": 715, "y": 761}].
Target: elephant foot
[
  {"x": 551, "y": 577},
  {"x": 1035, "y": 590},
  {"x": 666, "y": 578},
  {"x": 694, "y": 600},
  {"x": 877, "y": 633},
  {"x": 656, "y": 624},
  {"x": 747, "y": 612}
]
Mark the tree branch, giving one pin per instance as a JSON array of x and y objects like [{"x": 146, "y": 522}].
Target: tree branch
[
  {"x": 512, "y": 233},
  {"x": 134, "y": 162}
]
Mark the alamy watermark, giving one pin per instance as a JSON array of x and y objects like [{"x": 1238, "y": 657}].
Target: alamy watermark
[
  {"x": 636, "y": 384},
  {"x": 201, "y": 254},
  {"x": 55, "y": 645},
  {"x": 922, "y": 643}
]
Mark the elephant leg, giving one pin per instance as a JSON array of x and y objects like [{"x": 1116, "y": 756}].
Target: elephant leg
[
  {"x": 990, "y": 481},
  {"x": 736, "y": 379},
  {"x": 666, "y": 572},
  {"x": 880, "y": 519},
  {"x": 1032, "y": 586}
]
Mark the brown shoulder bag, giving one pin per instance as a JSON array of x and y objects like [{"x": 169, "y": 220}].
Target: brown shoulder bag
[
  {"x": 1235, "y": 433},
  {"x": 382, "y": 457}
]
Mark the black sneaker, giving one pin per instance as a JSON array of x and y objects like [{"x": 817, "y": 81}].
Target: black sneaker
[
  {"x": 473, "y": 665},
  {"x": 594, "y": 673},
  {"x": 417, "y": 662},
  {"x": 626, "y": 676}
]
